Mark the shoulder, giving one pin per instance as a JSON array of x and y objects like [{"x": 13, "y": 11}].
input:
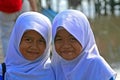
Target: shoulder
[
  {"x": 103, "y": 67},
  {"x": 98, "y": 60}
]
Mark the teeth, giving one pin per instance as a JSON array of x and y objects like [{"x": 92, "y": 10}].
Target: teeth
[{"x": 69, "y": 53}]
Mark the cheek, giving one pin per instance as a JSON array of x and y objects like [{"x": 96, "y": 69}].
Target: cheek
[
  {"x": 22, "y": 47},
  {"x": 57, "y": 47},
  {"x": 78, "y": 49},
  {"x": 42, "y": 48}
]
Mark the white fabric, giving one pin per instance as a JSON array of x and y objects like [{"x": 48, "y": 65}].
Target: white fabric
[
  {"x": 19, "y": 68},
  {"x": 89, "y": 65}
]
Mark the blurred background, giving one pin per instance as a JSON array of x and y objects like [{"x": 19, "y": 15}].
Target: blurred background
[{"x": 104, "y": 17}]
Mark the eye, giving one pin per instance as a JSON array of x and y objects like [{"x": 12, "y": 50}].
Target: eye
[
  {"x": 41, "y": 41},
  {"x": 72, "y": 39},
  {"x": 58, "y": 39},
  {"x": 28, "y": 40}
]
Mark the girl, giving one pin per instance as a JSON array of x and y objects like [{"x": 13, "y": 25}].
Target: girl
[
  {"x": 75, "y": 53},
  {"x": 28, "y": 54}
]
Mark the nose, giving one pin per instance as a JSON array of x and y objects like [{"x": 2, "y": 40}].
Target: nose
[
  {"x": 66, "y": 44},
  {"x": 34, "y": 45}
]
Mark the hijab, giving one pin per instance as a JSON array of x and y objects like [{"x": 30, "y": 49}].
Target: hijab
[
  {"x": 19, "y": 68},
  {"x": 89, "y": 65}
]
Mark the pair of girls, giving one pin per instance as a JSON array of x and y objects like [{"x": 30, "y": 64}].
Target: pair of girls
[{"x": 75, "y": 55}]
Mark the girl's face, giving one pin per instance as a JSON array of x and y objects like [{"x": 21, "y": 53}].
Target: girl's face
[
  {"x": 66, "y": 45},
  {"x": 32, "y": 45}
]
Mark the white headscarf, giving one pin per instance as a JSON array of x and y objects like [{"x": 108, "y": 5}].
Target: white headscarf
[
  {"x": 89, "y": 65},
  {"x": 19, "y": 68}
]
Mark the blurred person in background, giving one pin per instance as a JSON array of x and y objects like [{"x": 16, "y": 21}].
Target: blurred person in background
[{"x": 9, "y": 11}]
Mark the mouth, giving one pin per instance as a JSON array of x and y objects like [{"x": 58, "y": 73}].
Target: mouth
[
  {"x": 33, "y": 52},
  {"x": 67, "y": 53}
]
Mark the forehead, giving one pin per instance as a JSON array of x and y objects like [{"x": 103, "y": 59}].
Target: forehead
[
  {"x": 32, "y": 33},
  {"x": 62, "y": 32}
]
